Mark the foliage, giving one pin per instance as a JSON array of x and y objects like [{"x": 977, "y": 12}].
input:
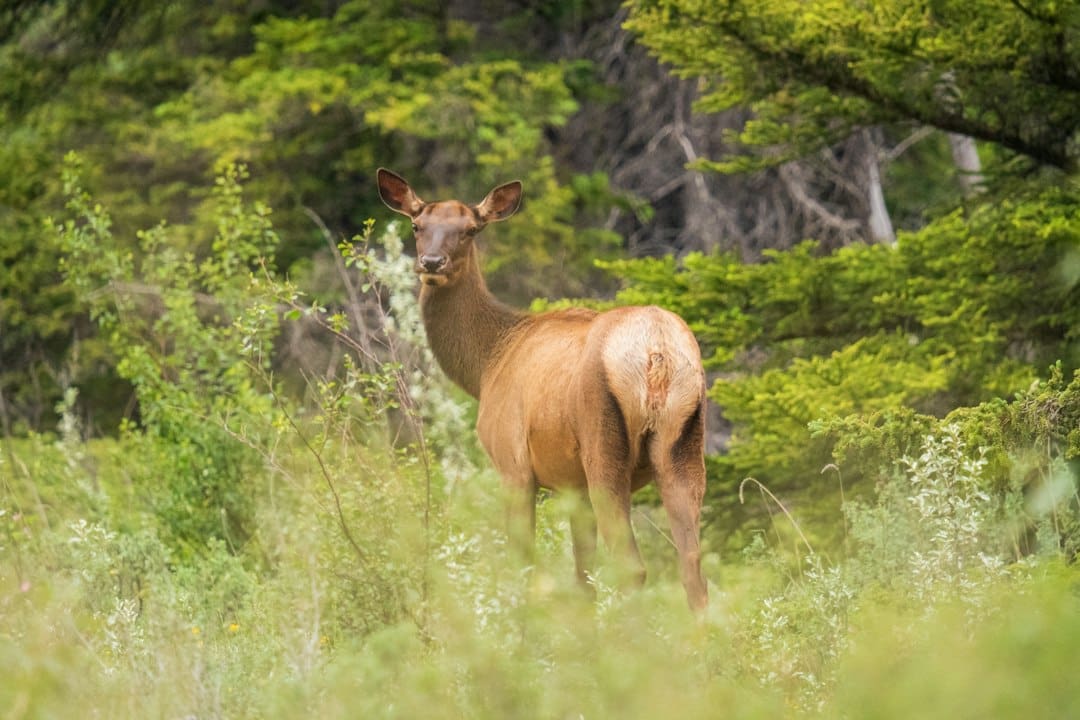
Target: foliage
[
  {"x": 813, "y": 72},
  {"x": 1029, "y": 445},
  {"x": 972, "y": 307},
  {"x": 312, "y": 97},
  {"x": 308, "y": 79},
  {"x": 926, "y": 576},
  {"x": 362, "y": 578},
  {"x": 965, "y": 281},
  {"x": 258, "y": 541},
  {"x": 978, "y": 671},
  {"x": 82, "y": 75},
  {"x": 170, "y": 319}
]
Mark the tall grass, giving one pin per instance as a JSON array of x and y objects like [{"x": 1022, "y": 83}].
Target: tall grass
[{"x": 98, "y": 615}]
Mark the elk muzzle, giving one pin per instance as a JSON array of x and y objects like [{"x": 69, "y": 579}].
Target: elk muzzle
[{"x": 432, "y": 268}]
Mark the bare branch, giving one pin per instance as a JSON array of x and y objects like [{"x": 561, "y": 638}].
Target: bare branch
[
  {"x": 795, "y": 187},
  {"x": 923, "y": 132}
]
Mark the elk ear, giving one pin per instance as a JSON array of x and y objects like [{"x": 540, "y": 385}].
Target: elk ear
[
  {"x": 500, "y": 203},
  {"x": 397, "y": 194}
]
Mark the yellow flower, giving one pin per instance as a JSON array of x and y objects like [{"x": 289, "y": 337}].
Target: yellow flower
[
  {"x": 195, "y": 631},
  {"x": 233, "y": 627}
]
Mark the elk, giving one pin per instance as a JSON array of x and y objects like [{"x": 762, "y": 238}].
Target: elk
[{"x": 594, "y": 403}]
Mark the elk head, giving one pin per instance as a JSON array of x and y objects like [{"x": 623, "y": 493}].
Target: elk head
[{"x": 444, "y": 230}]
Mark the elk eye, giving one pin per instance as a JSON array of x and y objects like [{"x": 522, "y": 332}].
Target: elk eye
[{"x": 414, "y": 228}]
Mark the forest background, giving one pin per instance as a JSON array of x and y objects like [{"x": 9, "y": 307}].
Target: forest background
[{"x": 235, "y": 484}]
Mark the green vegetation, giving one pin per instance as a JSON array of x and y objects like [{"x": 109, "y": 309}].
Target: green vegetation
[
  {"x": 815, "y": 71},
  {"x": 312, "y": 98},
  {"x": 233, "y": 483},
  {"x": 871, "y": 346},
  {"x": 882, "y": 339},
  {"x": 240, "y": 555}
]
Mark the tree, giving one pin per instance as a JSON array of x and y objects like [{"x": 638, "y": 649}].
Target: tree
[
  {"x": 87, "y": 76},
  {"x": 812, "y": 72},
  {"x": 968, "y": 308}
]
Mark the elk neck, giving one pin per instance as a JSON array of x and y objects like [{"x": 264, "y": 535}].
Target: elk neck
[{"x": 466, "y": 325}]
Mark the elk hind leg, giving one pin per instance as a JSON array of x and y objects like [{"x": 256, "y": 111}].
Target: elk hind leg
[
  {"x": 611, "y": 502},
  {"x": 680, "y": 477},
  {"x": 609, "y": 463}
]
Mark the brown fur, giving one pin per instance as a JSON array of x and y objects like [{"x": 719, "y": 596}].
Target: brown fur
[{"x": 597, "y": 404}]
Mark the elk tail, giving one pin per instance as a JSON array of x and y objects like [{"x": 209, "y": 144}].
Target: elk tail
[{"x": 657, "y": 382}]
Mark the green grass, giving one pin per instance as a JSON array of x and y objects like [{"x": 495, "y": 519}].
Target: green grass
[{"x": 100, "y": 616}]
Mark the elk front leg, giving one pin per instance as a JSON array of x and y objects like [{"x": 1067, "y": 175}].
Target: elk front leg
[{"x": 521, "y": 518}]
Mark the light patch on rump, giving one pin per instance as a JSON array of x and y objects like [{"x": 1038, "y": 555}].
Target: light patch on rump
[{"x": 652, "y": 362}]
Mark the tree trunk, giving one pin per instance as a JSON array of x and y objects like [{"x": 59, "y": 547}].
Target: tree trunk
[
  {"x": 881, "y": 227},
  {"x": 966, "y": 157}
]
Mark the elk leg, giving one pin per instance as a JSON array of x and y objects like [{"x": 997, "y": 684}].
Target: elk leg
[
  {"x": 583, "y": 534},
  {"x": 610, "y": 498},
  {"x": 680, "y": 478},
  {"x": 683, "y": 507},
  {"x": 521, "y": 518},
  {"x": 608, "y": 460}
]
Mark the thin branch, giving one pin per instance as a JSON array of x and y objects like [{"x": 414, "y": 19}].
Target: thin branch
[
  {"x": 779, "y": 505},
  {"x": 1032, "y": 15},
  {"x": 360, "y": 554},
  {"x": 812, "y": 206},
  {"x": 355, "y": 304},
  {"x": 365, "y": 352},
  {"x": 843, "y": 500},
  {"x": 901, "y": 147},
  {"x": 659, "y": 530},
  {"x": 146, "y": 290}
]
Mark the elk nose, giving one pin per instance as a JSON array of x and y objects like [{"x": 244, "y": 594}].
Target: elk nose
[{"x": 432, "y": 263}]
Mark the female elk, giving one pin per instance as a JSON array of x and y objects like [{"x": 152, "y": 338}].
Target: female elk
[{"x": 599, "y": 404}]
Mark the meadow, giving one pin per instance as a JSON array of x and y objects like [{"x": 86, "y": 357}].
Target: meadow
[{"x": 359, "y": 594}]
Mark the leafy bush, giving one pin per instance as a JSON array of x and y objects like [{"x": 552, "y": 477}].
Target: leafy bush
[{"x": 168, "y": 315}]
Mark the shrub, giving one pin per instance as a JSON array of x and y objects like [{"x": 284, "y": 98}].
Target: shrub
[{"x": 169, "y": 315}]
